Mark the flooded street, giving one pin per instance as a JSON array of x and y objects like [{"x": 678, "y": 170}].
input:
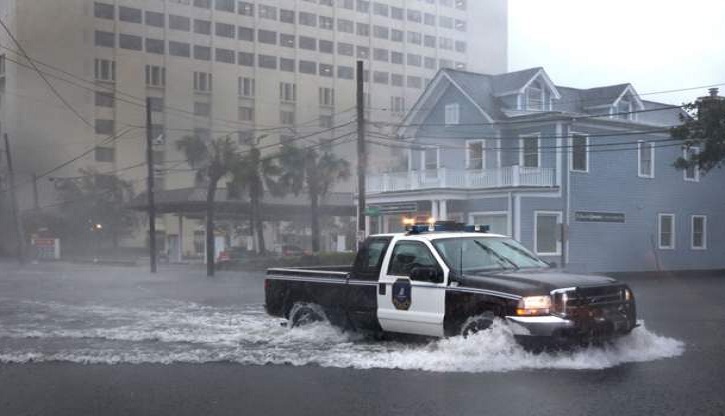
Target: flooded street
[{"x": 84, "y": 339}]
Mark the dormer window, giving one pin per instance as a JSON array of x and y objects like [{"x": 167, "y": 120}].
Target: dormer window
[
  {"x": 453, "y": 115},
  {"x": 535, "y": 98},
  {"x": 623, "y": 110}
]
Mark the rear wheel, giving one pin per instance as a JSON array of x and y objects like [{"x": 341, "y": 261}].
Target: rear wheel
[
  {"x": 476, "y": 324},
  {"x": 302, "y": 315}
]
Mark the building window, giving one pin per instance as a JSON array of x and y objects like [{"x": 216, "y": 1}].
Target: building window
[
  {"x": 692, "y": 172},
  {"x": 179, "y": 49},
  {"x": 179, "y": 23},
  {"x": 155, "y": 76},
  {"x": 104, "y": 126},
  {"x": 105, "y": 154},
  {"x": 475, "y": 154},
  {"x": 245, "y": 8},
  {"x": 287, "y": 92},
  {"x": 246, "y": 87},
  {"x": 202, "y": 53},
  {"x": 623, "y": 110},
  {"x": 105, "y": 39},
  {"x": 534, "y": 98},
  {"x": 246, "y": 113},
  {"x": 363, "y": 29},
  {"x": 579, "y": 153},
  {"x": 224, "y": 55},
  {"x": 105, "y": 70},
  {"x": 646, "y": 159},
  {"x": 225, "y": 30},
  {"x": 156, "y": 46},
  {"x": 397, "y": 105},
  {"x": 129, "y": 14},
  {"x": 698, "y": 238},
  {"x": 547, "y": 229},
  {"x": 267, "y": 12},
  {"x": 430, "y": 161},
  {"x": 307, "y": 67},
  {"x": 666, "y": 231},
  {"x": 203, "y": 4},
  {"x": 286, "y": 16},
  {"x": 286, "y": 64},
  {"x": 530, "y": 155},
  {"x": 131, "y": 42},
  {"x": 287, "y": 118},
  {"x": 345, "y": 72},
  {"x": 307, "y": 19},
  {"x": 452, "y": 115},
  {"x": 103, "y": 11},
  {"x": 104, "y": 99},
  {"x": 308, "y": 43},
  {"x": 245, "y": 59},
  {"x": 267, "y": 61},
  {"x": 327, "y": 96},
  {"x": 245, "y": 33},
  {"x": 155, "y": 19},
  {"x": 225, "y": 5},
  {"x": 202, "y": 81},
  {"x": 327, "y": 23}
]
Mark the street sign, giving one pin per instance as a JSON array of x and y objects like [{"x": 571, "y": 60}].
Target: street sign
[
  {"x": 591, "y": 216},
  {"x": 394, "y": 208},
  {"x": 372, "y": 212}
]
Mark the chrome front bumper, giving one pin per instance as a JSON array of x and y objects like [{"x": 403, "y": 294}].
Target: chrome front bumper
[{"x": 539, "y": 326}]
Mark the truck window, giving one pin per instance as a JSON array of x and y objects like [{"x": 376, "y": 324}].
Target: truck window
[
  {"x": 369, "y": 260},
  {"x": 410, "y": 254}
]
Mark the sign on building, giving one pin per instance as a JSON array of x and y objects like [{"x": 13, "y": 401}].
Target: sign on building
[{"x": 591, "y": 216}]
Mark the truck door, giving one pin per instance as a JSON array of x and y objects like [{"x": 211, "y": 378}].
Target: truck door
[
  {"x": 408, "y": 305},
  {"x": 362, "y": 286}
]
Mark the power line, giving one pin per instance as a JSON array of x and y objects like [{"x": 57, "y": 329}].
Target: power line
[
  {"x": 47, "y": 82},
  {"x": 141, "y": 100}
]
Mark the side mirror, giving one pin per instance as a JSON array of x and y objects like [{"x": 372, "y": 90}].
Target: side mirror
[{"x": 427, "y": 274}]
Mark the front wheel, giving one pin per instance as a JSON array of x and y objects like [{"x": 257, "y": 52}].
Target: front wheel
[
  {"x": 476, "y": 324},
  {"x": 302, "y": 315}
]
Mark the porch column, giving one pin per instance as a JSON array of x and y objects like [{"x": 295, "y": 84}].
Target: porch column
[
  {"x": 434, "y": 209},
  {"x": 180, "y": 254},
  {"x": 443, "y": 210}
]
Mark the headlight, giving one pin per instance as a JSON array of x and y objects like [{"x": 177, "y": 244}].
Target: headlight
[
  {"x": 534, "y": 305},
  {"x": 627, "y": 294}
]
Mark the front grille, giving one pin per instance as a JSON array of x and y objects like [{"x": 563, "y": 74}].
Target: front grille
[{"x": 591, "y": 300}]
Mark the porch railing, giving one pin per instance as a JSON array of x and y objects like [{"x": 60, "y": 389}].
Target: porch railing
[{"x": 504, "y": 177}]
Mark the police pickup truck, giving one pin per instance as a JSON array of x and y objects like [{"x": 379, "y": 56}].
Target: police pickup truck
[{"x": 447, "y": 279}]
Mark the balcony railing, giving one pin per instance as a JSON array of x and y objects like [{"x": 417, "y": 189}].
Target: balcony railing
[{"x": 504, "y": 177}]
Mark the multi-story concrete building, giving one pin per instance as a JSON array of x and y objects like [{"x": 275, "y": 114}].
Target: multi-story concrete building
[
  {"x": 269, "y": 69},
  {"x": 583, "y": 177}
]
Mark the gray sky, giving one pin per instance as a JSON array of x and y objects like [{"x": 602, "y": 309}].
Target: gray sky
[{"x": 654, "y": 44}]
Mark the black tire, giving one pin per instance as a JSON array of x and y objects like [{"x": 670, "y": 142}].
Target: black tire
[
  {"x": 476, "y": 324},
  {"x": 302, "y": 315}
]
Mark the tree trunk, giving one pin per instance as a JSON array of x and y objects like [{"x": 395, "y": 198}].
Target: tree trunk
[
  {"x": 210, "y": 194},
  {"x": 259, "y": 225},
  {"x": 315, "y": 221}
]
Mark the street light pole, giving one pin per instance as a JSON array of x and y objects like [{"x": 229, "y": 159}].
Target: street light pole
[{"x": 14, "y": 201}]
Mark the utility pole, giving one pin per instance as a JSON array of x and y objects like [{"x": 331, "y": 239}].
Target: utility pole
[
  {"x": 150, "y": 186},
  {"x": 36, "y": 201},
  {"x": 361, "y": 155},
  {"x": 14, "y": 201}
]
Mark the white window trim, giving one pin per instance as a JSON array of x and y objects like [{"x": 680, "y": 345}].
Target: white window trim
[
  {"x": 696, "y": 170},
  {"x": 438, "y": 158},
  {"x": 538, "y": 148},
  {"x": 483, "y": 152},
  {"x": 651, "y": 145},
  {"x": 659, "y": 231},
  {"x": 493, "y": 213},
  {"x": 571, "y": 152},
  {"x": 456, "y": 109},
  {"x": 536, "y": 227},
  {"x": 704, "y": 232}
]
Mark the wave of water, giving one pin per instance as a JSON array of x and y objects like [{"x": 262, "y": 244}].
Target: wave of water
[{"x": 177, "y": 332}]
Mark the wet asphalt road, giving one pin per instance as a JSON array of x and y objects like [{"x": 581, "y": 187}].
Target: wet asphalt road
[{"x": 689, "y": 309}]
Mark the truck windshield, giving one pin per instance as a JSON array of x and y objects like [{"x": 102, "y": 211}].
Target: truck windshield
[{"x": 471, "y": 255}]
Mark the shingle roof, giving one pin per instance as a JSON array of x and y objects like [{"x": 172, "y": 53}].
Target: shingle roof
[
  {"x": 593, "y": 97},
  {"x": 513, "y": 81}
]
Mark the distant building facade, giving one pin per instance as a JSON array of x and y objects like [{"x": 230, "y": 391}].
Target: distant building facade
[
  {"x": 583, "y": 177},
  {"x": 255, "y": 68}
]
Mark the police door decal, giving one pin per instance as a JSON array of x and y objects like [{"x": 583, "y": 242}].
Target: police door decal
[{"x": 401, "y": 294}]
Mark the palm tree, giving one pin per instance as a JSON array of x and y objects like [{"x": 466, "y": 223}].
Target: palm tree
[
  {"x": 315, "y": 172},
  {"x": 253, "y": 174},
  {"x": 212, "y": 160}
]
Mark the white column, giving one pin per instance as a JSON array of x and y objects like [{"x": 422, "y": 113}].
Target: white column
[
  {"x": 434, "y": 209},
  {"x": 443, "y": 210},
  {"x": 180, "y": 254}
]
